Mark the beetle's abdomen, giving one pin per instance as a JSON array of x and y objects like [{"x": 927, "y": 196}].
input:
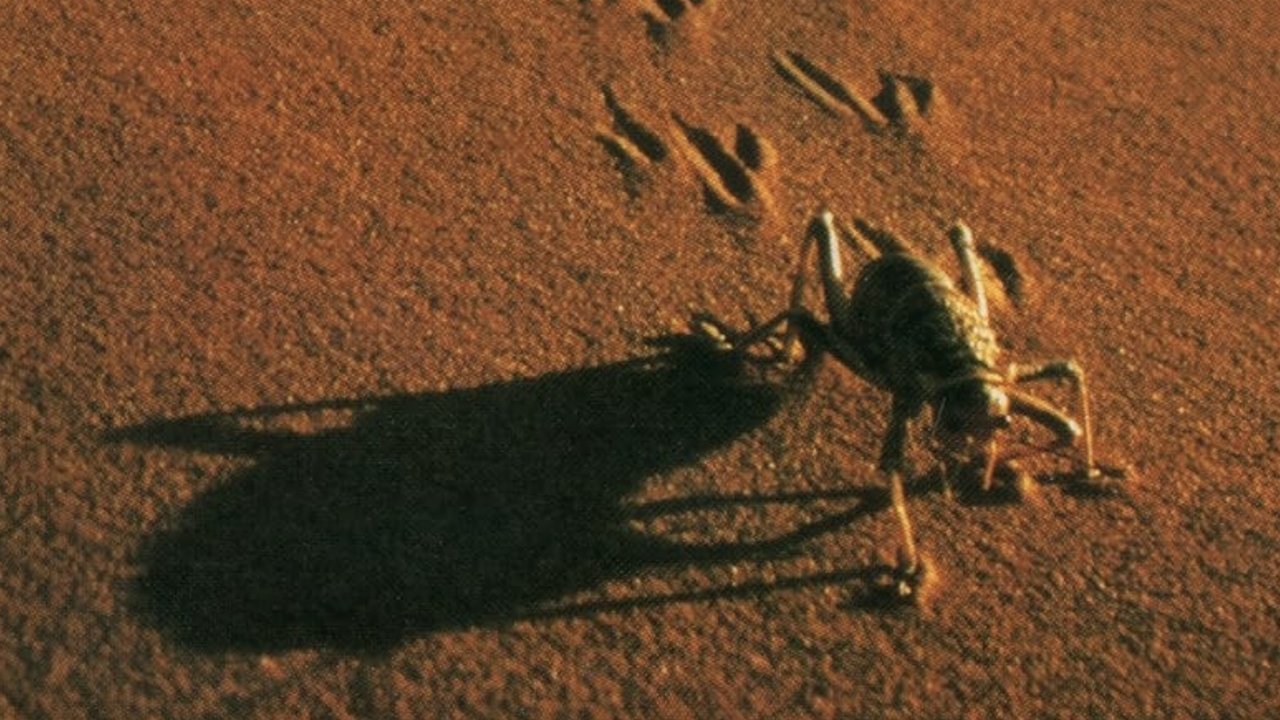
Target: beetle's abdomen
[{"x": 914, "y": 327}]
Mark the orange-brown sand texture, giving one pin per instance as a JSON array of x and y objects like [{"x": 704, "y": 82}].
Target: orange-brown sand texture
[{"x": 331, "y": 383}]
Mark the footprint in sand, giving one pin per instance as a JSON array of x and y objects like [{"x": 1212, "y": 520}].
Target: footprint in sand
[
  {"x": 734, "y": 174},
  {"x": 632, "y": 144},
  {"x": 667, "y": 19},
  {"x": 903, "y": 105},
  {"x": 731, "y": 173}
]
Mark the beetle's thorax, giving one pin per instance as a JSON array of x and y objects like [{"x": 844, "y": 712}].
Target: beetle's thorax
[{"x": 917, "y": 331}]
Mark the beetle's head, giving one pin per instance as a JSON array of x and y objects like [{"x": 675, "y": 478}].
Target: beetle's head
[{"x": 974, "y": 408}]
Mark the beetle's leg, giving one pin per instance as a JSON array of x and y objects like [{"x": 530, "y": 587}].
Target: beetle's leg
[
  {"x": 1063, "y": 426},
  {"x": 795, "y": 303},
  {"x": 817, "y": 336},
  {"x": 764, "y": 331},
  {"x": 910, "y": 574},
  {"x": 962, "y": 241},
  {"x": 823, "y": 235},
  {"x": 1073, "y": 372},
  {"x": 989, "y": 466},
  {"x": 823, "y": 231},
  {"x": 729, "y": 340},
  {"x": 858, "y": 240}
]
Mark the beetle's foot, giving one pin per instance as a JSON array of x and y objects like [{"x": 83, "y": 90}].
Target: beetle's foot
[
  {"x": 1024, "y": 485},
  {"x": 716, "y": 333},
  {"x": 948, "y": 488},
  {"x": 779, "y": 353},
  {"x": 1008, "y": 482},
  {"x": 1103, "y": 479},
  {"x": 768, "y": 350},
  {"x": 1021, "y": 485},
  {"x": 908, "y": 583}
]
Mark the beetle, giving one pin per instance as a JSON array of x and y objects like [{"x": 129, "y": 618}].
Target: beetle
[{"x": 908, "y": 328}]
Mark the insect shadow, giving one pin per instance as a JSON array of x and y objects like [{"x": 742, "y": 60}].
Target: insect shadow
[{"x": 434, "y": 511}]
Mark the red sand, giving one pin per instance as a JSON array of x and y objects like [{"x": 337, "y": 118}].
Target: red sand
[{"x": 319, "y": 342}]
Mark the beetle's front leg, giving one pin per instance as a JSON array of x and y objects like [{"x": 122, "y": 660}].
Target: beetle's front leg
[
  {"x": 1064, "y": 427},
  {"x": 912, "y": 573}
]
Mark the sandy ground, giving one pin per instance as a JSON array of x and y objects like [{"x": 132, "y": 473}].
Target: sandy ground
[{"x": 329, "y": 385}]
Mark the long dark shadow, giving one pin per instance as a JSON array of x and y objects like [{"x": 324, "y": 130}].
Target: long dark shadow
[{"x": 422, "y": 512}]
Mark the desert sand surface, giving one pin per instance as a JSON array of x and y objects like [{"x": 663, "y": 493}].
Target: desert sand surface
[{"x": 342, "y": 371}]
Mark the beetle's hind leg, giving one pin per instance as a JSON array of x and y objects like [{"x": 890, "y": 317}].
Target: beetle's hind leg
[
  {"x": 800, "y": 323},
  {"x": 822, "y": 236}
]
